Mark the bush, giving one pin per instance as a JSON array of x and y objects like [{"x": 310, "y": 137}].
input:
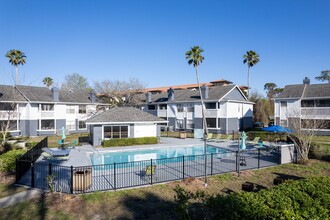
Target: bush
[
  {"x": 8, "y": 160},
  {"x": 303, "y": 199},
  {"x": 129, "y": 141},
  {"x": 7, "y": 136},
  {"x": 266, "y": 136},
  {"x": 320, "y": 151},
  {"x": 29, "y": 145}
]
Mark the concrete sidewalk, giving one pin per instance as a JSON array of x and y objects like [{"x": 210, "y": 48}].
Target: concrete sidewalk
[{"x": 20, "y": 197}]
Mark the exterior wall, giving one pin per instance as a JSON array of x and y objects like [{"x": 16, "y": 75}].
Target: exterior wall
[
  {"x": 198, "y": 123},
  {"x": 97, "y": 135},
  {"x": 145, "y": 130},
  {"x": 29, "y": 127},
  {"x": 247, "y": 123},
  {"x": 235, "y": 95},
  {"x": 233, "y": 124},
  {"x": 171, "y": 122}
]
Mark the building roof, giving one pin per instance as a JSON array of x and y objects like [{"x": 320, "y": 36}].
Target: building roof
[
  {"x": 123, "y": 115},
  {"x": 302, "y": 91},
  {"x": 190, "y": 95},
  {"x": 42, "y": 94},
  {"x": 10, "y": 94}
]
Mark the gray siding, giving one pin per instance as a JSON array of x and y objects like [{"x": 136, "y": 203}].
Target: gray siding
[
  {"x": 247, "y": 123},
  {"x": 198, "y": 123},
  {"x": 29, "y": 127},
  {"x": 131, "y": 131},
  {"x": 97, "y": 135},
  {"x": 233, "y": 124},
  {"x": 222, "y": 123},
  {"x": 60, "y": 123},
  {"x": 171, "y": 122},
  {"x": 234, "y": 95}
]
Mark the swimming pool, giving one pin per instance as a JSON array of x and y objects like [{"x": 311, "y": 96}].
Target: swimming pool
[{"x": 153, "y": 153}]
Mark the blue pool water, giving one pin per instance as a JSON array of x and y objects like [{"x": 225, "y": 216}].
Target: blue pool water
[{"x": 147, "y": 154}]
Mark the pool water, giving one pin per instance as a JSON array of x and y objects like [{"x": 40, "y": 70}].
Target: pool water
[{"x": 148, "y": 154}]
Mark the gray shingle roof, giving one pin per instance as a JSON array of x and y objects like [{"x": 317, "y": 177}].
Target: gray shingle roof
[
  {"x": 190, "y": 95},
  {"x": 9, "y": 93},
  {"x": 43, "y": 94},
  {"x": 305, "y": 91},
  {"x": 123, "y": 114}
]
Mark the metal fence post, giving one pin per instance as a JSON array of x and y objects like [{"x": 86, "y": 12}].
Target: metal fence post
[
  {"x": 50, "y": 169},
  {"x": 32, "y": 174},
  {"x": 236, "y": 161},
  {"x": 211, "y": 164},
  {"x": 151, "y": 170},
  {"x": 279, "y": 154},
  {"x": 71, "y": 187},
  {"x": 258, "y": 158},
  {"x": 114, "y": 176},
  {"x": 183, "y": 167}
]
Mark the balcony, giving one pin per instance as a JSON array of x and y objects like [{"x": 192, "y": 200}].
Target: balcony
[
  {"x": 316, "y": 112},
  {"x": 47, "y": 114},
  {"x": 162, "y": 113},
  {"x": 5, "y": 115}
]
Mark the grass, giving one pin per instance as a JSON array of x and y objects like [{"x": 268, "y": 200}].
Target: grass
[
  {"x": 7, "y": 186},
  {"x": 53, "y": 140},
  {"x": 154, "y": 202}
]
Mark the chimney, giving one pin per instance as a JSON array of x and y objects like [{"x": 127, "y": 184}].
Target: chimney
[
  {"x": 148, "y": 97},
  {"x": 170, "y": 94},
  {"x": 307, "y": 81},
  {"x": 92, "y": 96},
  {"x": 55, "y": 94},
  {"x": 205, "y": 92}
]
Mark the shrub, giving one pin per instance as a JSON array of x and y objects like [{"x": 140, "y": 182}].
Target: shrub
[
  {"x": 7, "y": 136},
  {"x": 303, "y": 199},
  {"x": 8, "y": 160},
  {"x": 129, "y": 141},
  {"x": 320, "y": 151},
  {"x": 29, "y": 145}
]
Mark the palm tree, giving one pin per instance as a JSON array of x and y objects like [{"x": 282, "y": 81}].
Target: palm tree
[
  {"x": 194, "y": 56},
  {"x": 16, "y": 57},
  {"x": 48, "y": 81},
  {"x": 251, "y": 58}
]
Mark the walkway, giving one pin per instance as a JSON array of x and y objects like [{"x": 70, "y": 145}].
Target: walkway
[{"x": 20, "y": 197}]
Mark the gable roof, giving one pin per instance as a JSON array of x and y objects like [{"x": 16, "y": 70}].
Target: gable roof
[
  {"x": 42, "y": 94},
  {"x": 10, "y": 94},
  {"x": 123, "y": 115},
  {"x": 192, "y": 95},
  {"x": 302, "y": 91}
]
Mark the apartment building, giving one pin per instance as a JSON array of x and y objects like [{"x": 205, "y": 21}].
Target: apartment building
[
  {"x": 302, "y": 104},
  {"x": 37, "y": 111},
  {"x": 226, "y": 107}
]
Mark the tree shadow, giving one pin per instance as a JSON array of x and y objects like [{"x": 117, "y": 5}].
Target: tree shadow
[
  {"x": 148, "y": 206},
  {"x": 285, "y": 176}
]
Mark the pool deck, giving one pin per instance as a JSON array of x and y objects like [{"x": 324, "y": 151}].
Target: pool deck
[{"x": 79, "y": 156}]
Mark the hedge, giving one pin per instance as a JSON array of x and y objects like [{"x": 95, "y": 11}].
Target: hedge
[
  {"x": 129, "y": 141},
  {"x": 8, "y": 160},
  {"x": 300, "y": 199}
]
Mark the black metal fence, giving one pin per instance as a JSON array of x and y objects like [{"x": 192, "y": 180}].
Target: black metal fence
[
  {"x": 23, "y": 163},
  {"x": 131, "y": 174}
]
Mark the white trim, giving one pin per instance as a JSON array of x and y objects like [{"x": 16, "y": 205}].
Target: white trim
[
  {"x": 128, "y": 132},
  {"x": 81, "y": 129},
  {"x": 125, "y": 122}
]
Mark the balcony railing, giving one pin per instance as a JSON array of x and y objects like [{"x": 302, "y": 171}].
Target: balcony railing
[
  {"x": 5, "y": 115},
  {"x": 316, "y": 112},
  {"x": 47, "y": 114}
]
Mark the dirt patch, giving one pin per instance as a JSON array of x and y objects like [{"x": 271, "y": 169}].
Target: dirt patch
[{"x": 7, "y": 178}]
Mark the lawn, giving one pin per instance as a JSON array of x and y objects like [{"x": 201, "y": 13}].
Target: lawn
[
  {"x": 154, "y": 202},
  {"x": 53, "y": 140}
]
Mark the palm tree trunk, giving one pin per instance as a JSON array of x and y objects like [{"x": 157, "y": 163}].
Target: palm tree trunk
[
  {"x": 248, "y": 84},
  {"x": 16, "y": 80},
  {"x": 205, "y": 126}
]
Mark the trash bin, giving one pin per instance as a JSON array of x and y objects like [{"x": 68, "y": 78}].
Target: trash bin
[
  {"x": 82, "y": 179},
  {"x": 183, "y": 134}
]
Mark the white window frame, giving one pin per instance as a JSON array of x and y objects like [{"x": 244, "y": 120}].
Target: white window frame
[
  {"x": 190, "y": 125},
  {"x": 70, "y": 109},
  {"x": 41, "y": 106},
  {"x": 128, "y": 131},
  {"x": 177, "y": 124},
  {"x": 70, "y": 125},
  {"x": 180, "y": 108},
  {"x": 40, "y": 128},
  {"x": 79, "y": 125}
]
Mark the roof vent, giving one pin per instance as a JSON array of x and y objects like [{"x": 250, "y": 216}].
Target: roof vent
[
  {"x": 205, "y": 92},
  {"x": 148, "y": 97},
  {"x": 307, "y": 81},
  {"x": 56, "y": 94}
]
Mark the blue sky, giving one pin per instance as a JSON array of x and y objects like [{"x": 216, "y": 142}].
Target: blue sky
[{"x": 116, "y": 40}]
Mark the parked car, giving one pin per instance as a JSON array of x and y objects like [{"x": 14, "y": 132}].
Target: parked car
[{"x": 258, "y": 124}]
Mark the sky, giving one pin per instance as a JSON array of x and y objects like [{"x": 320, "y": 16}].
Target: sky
[{"x": 147, "y": 39}]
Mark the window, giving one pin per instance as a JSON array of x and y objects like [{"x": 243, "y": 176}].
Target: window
[
  {"x": 179, "y": 107},
  {"x": 82, "y": 125},
  {"x": 211, "y": 122},
  {"x": 306, "y": 103},
  {"x": 70, "y": 125},
  {"x": 70, "y": 109},
  {"x": 162, "y": 107},
  {"x": 190, "y": 107},
  {"x": 115, "y": 132},
  {"x": 47, "y": 124},
  {"x": 47, "y": 107},
  {"x": 179, "y": 124},
  {"x": 315, "y": 124},
  {"x": 151, "y": 107},
  {"x": 7, "y": 107},
  {"x": 82, "y": 109},
  {"x": 12, "y": 125},
  {"x": 165, "y": 123},
  {"x": 190, "y": 124},
  {"x": 323, "y": 103},
  {"x": 211, "y": 105},
  {"x": 284, "y": 123}
]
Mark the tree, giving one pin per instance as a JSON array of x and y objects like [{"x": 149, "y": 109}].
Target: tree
[
  {"x": 16, "y": 57},
  {"x": 194, "y": 57},
  {"x": 75, "y": 82},
  {"x": 270, "y": 89},
  {"x": 261, "y": 109},
  {"x": 120, "y": 92},
  {"x": 251, "y": 58},
  {"x": 48, "y": 81},
  {"x": 325, "y": 76}
]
